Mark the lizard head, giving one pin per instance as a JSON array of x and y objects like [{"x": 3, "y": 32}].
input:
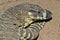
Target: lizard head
[{"x": 41, "y": 14}]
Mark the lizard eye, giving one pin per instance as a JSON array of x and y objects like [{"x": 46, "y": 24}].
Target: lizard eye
[
  {"x": 38, "y": 12},
  {"x": 19, "y": 26}
]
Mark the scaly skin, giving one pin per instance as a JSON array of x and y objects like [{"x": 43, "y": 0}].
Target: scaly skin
[
  {"x": 13, "y": 22},
  {"x": 32, "y": 31}
]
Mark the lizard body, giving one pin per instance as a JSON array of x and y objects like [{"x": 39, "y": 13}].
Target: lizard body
[{"x": 19, "y": 16}]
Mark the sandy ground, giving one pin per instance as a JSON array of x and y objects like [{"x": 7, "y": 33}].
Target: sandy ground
[{"x": 51, "y": 31}]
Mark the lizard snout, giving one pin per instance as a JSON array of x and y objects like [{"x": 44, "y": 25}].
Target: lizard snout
[{"x": 48, "y": 14}]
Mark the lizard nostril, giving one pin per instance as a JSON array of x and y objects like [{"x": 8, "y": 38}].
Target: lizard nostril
[{"x": 14, "y": 24}]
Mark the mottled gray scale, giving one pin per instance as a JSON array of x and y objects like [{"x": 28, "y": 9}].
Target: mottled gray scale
[
  {"x": 6, "y": 22},
  {"x": 7, "y": 19},
  {"x": 29, "y": 33},
  {"x": 2, "y": 38},
  {"x": 26, "y": 34},
  {"x": 34, "y": 33},
  {"x": 8, "y": 35},
  {"x": 20, "y": 15},
  {"x": 30, "y": 7},
  {"x": 36, "y": 26},
  {"x": 22, "y": 31},
  {"x": 39, "y": 27},
  {"x": 8, "y": 27},
  {"x": 12, "y": 10},
  {"x": 9, "y": 16},
  {"x": 5, "y": 27},
  {"x": 32, "y": 30},
  {"x": 6, "y": 16}
]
